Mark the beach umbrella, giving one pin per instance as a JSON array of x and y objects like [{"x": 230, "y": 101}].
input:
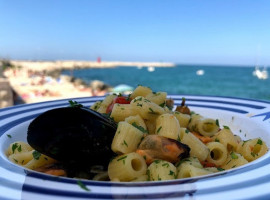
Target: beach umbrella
[{"x": 122, "y": 88}]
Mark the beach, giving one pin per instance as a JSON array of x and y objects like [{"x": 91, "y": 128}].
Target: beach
[
  {"x": 37, "y": 81},
  {"x": 33, "y": 81}
]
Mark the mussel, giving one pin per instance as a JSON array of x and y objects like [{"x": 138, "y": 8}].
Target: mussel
[
  {"x": 73, "y": 135},
  {"x": 158, "y": 147}
]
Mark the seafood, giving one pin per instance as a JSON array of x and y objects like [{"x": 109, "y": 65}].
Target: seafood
[
  {"x": 73, "y": 135},
  {"x": 157, "y": 147}
]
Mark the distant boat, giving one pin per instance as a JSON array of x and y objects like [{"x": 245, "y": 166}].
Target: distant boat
[
  {"x": 260, "y": 73},
  {"x": 200, "y": 72},
  {"x": 139, "y": 66},
  {"x": 151, "y": 69}
]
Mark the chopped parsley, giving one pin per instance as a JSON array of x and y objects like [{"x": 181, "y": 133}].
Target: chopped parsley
[
  {"x": 9, "y": 136},
  {"x": 139, "y": 127},
  {"x": 217, "y": 122},
  {"x": 156, "y": 161},
  {"x": 159, "y": 129},
  {"x": 217, "y": 140},
  {"x": 137, "y": 99},
  {"x": 74, "y": 104},
  {"x": 146, "y": 100},
  {"x": 162, "y": 105},
  {"x": 165, "y": 165},
  {"x": 20, "y": 148},
  {"x": 14, "y": 147},
  {"x": 253, "y": 154},
  {"x": 128, "y": 97},
  {"x": 227, "y": 127},
  {"x": 260, "y": 142},
  {"x": 36, "y": 155},
  {"x": 15, "y": 160},
  {"x": 245, "y": 142},
  {"x": 228, "y": 162},
  {"x": 125, "y": 143},
  {"x": 122, "y": 158},
  {"x": 186, "y": 131},
  {"x": 171, "y": 173},
  {"x": 220, "y": 169},
  {"x": 233, "y": 155},
  {"x": 152, "y": 111},
  {"x": 83, "y": 186}
]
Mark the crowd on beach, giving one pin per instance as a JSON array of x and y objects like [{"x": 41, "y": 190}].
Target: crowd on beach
[
  {"x": 36, "y": 86},
  {"x": 36, "y": 81}
]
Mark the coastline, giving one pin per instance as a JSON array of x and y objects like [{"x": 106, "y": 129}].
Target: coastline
[
  {"x": 37, "y": 81},
  {"x": 71, "y": 64}
]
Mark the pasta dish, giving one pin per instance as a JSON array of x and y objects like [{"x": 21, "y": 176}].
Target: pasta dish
[{"x": 154, "y": 140}]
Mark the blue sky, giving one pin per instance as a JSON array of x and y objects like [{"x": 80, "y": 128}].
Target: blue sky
[{"x": 181, "y": 31}]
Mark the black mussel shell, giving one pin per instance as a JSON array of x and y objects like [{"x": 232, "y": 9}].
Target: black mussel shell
[{"x": 73, "y": 135}]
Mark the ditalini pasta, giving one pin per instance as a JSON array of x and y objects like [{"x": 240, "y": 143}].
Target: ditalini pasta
[
  {"x": 127, "y": 167},
  {"x": 23, "y": 154},
  {"x": 154, "y": 141}
]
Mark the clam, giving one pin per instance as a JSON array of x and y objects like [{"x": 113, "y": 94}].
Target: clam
[{"x": 73, "y": 135}]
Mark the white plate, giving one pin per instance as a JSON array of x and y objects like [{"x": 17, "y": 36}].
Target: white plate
[{"x": 247, "y": 118}]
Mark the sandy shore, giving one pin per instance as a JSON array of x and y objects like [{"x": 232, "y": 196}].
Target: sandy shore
[
  {"x": 67, "y": 65},
  {"x": 36, "y": 88},
  {"x": 31, "y": 82}
]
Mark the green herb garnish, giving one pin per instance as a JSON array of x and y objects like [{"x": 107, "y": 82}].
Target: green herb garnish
[
  {"x": 227, "y": 127},
  {"x": 122, "y": 158},
  {"x": 139, "y": 127},
  {"x": 125, "y": 143},
  {"x": 162, "y": 105},
  {"x": 82, "y": 186},
  {"x": 233, "y": 155},
  {"x": 260, "y": 142},
  {"x": 171, "y": 173},
  {"x": 217, "y": 122},
  {"x": 139, "y": 104},
  {"x": 20, "y": 148},
  {"x": 156, "y": 161},
  {"x": 220, "y": 169},
  {"x": 14, "y": 147},
  {"x": 159, "y": 129},
  {"x": 36, "y": 155},
  {"x": 152, "y": 111},
  {"x": 165, "y": 164},
  {"x": 74, "y": 104},
  {"x": 253, "y": 154}
]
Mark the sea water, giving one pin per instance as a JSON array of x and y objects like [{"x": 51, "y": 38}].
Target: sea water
[{"x": 185, "y": 79}]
